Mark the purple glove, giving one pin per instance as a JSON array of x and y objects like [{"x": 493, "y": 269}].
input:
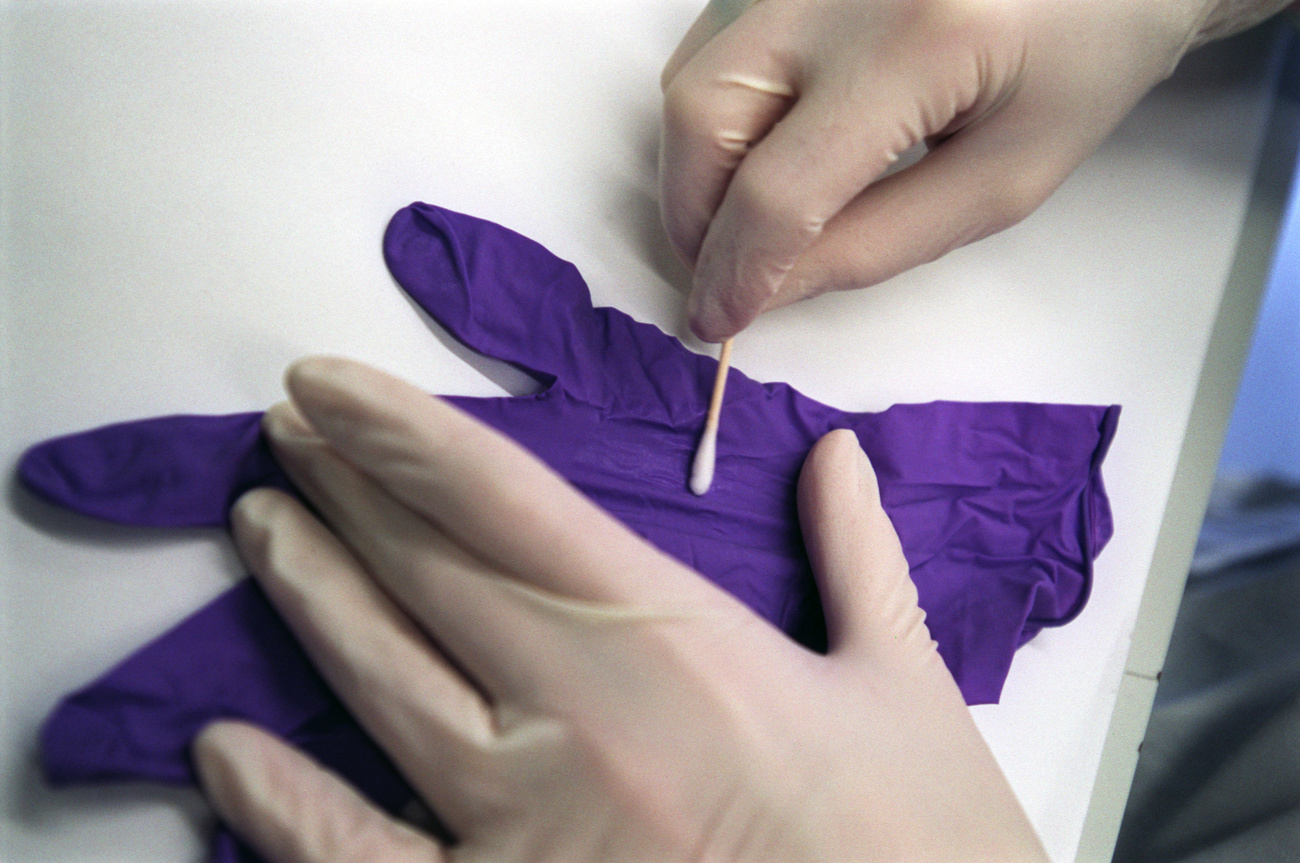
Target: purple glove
[{"x": 1000, "y": 507}]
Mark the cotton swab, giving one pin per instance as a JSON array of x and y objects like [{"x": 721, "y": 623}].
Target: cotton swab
[{"x": 707, "y": 452}]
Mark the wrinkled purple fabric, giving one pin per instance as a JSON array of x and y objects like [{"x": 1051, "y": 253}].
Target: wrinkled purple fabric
[{"x": 1000, "y": 506}]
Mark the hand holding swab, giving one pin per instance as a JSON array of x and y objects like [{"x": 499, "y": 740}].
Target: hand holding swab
[{"x": 707, "y": 452}]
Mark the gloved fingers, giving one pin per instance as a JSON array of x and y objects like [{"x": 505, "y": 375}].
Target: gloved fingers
[
  {"x": 716, "y": 107},
  {"x": 402, "y": 689},
  {"x": 462, "y": 603},
  {"x": 487, "y": 493},
  {"x": 513, "y": 638},
  {"x": 292, "y": 810},
  {"x": 978, "y": 182},
  {"x": 860, "y": 106},
  {"x": 867, "y": 592},
  {"x": 779, "y": 200}
]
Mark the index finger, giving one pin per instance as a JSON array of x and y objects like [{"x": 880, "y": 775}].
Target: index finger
[
  {"x": 724, "y": 89},
  {"x": 488, "y": 493}
]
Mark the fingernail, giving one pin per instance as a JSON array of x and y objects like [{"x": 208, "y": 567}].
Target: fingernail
[
  {"x": 335, "y": 396},
  {"x": 851, "y": 459},
  {"x": 319, "y": 380},
  {"x": 867, "y": 484},
  {"x": 221, "y": 753},
  {"x": 694, "y": 302},
  {"x": 703, "y": 317},
  {"x": 283, "y": 424},
  {"x": 212, "y": 749},
  {"x": 249, "y": 516}
]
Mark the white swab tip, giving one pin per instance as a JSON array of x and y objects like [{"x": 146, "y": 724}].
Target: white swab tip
[{"x": 702, "y": 467}]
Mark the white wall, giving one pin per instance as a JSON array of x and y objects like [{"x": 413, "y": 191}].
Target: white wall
[{"x": 1264, "y": 433}]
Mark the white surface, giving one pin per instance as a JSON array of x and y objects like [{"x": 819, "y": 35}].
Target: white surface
[{"x": 194, "y": 195}]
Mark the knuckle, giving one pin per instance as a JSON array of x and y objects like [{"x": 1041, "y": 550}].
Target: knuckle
[
  {"x": 702, "y": 115},
  {"x": 730, "y": 143},
  {"x": 768, "y": 200}
]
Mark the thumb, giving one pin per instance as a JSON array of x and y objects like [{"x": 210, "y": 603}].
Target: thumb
[{"x": 866, "y": 588}]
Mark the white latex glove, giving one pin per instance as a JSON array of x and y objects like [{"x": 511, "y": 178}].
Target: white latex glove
[
  {"x": 780, "y": 116},
  {"x": 557, "y": 689}
]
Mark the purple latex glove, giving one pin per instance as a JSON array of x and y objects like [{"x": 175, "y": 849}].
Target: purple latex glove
[{"x": 1000, "y": 507}]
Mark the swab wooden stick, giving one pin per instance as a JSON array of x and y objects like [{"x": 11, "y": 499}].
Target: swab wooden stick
[{"x": 707, "y": 452}]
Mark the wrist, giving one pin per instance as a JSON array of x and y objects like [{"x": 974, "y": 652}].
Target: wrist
[{"x": 1221, "y": 18}]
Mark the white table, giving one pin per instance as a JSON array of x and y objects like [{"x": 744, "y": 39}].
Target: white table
[{"x": 194, "y": 194}]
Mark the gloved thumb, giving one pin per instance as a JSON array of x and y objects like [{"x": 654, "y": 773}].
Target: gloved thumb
[{"x": 867, "y": 592}]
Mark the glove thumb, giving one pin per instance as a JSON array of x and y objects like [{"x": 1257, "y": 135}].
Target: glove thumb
[{"x": 867, "y": 592}]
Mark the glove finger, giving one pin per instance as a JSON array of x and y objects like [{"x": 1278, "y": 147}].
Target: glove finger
[
  {"x": 292, "y": 810},
  {"x": 176, "y": 471},
  {"x": 487, "y": 493},
  {"x": 866, "y": 588},
  {"x": 717, "y": 106},
  {"x": 406, "y": 694}
]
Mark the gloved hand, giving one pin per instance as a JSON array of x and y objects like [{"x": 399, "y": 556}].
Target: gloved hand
[
  {"x": 780, "y": 117},
  {"x": 557, "y": 689}
]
